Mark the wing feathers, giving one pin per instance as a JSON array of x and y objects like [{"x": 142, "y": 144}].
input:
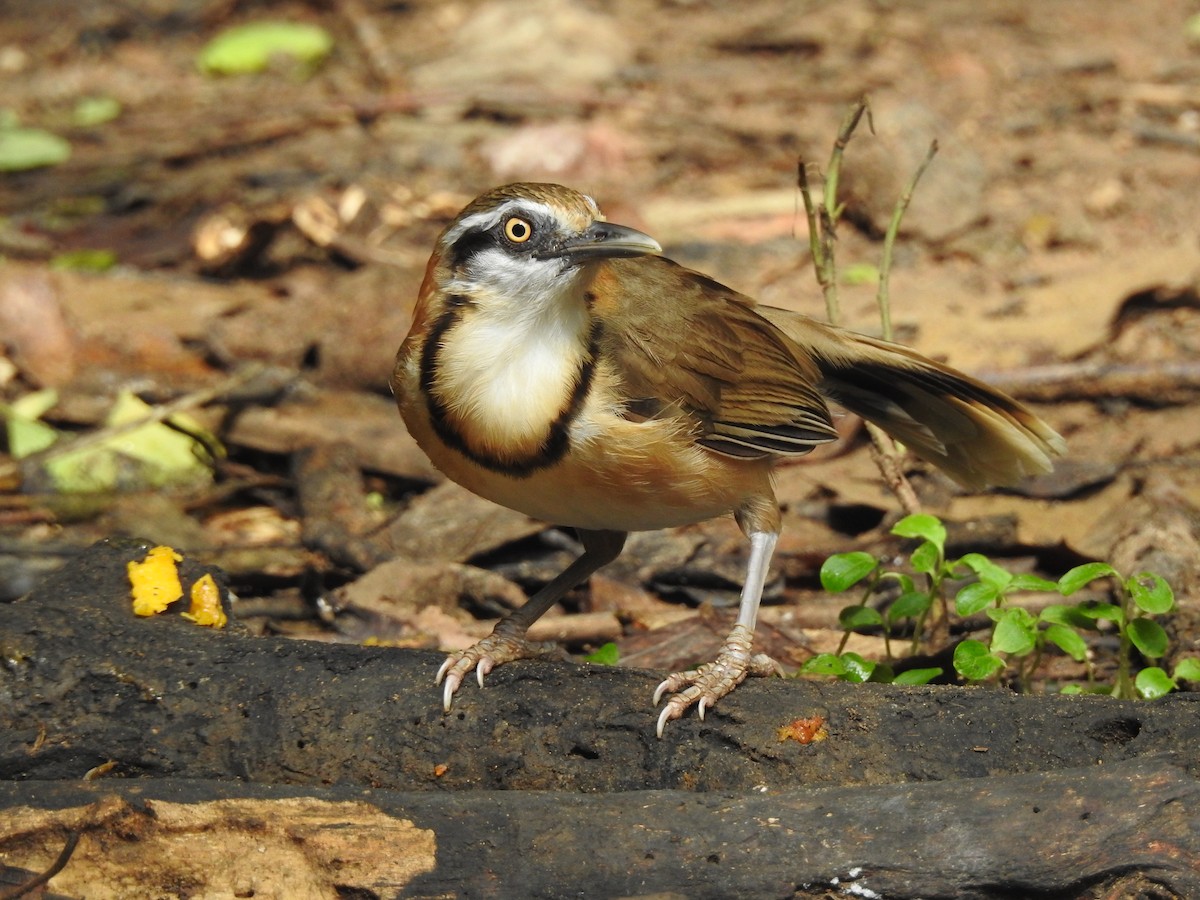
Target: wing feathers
[
  {"x": 700, "y": 347},
  {"x": 753, "y": 380}
]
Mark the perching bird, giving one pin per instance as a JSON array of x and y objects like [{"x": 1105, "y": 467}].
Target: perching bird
[{"x": 559, "y": 366}]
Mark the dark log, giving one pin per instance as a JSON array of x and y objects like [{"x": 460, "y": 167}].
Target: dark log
[
  {"x": 931, "y": 792},
  {"x": 1074, "y": 833},
  {"x": 85, "y": 681}
]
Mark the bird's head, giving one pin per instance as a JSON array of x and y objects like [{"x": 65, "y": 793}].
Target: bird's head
[{"x": 523, "y": 242}]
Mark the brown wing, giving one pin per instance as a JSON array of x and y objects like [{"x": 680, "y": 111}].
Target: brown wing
[{"x": 685, "y": 343}]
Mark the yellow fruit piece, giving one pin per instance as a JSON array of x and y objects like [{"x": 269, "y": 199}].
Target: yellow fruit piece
[
  {"x": 206, "y": 604},
  {"x": 154, "y": 582}
]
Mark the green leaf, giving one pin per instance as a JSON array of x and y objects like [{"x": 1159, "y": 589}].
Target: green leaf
[
  {"x": 1068, "y": 640},
  {"x": 1071, "y": 689},
  {"x": 974, "y": 597},
  {"x": 917, "y": 676},
  {"x": 988, "y": 571},
  {"x": 1026, "y": 582},
  {"x": 92, "y": 111},
  {"x": 1188, "y": 669},
  {"x": 852, "y": 618},
  {"x": 31, "y": 148},
  {"x": 1015, "y": 633},
  {"x": 245, "y": 49},
  {"x": 924, "y": 526},
  {"x": 34, "y": 405},
  {"x": 84, "y": 261},
  {"x": 844, "y": 570},
  {"x": 973, "y": 661},
  {"x": 28, "y": 436},
  {"x": 151, "y": 455},
  {"x": 857, "y": 669},
  {"x": 1151, "y": 593},
  {"x": 1083, "y": 575},
  {"x": 909, "y": 606},
  {"x": 1148, "y": 636},
  {"x": 905, "y": 582},
  {"x": 1191, "y": 30},
  {"x": 927, "y": 558},
  {"x": 1109, "y": 611},
  {"x": 1153, "y": 683},
  {"x": 824, "y": 664},
  {"x": 860, "y": 273},
  {"x": 1070, "y": 616},
  {"x": 882, "y": 674},
  {"x": 605, "y": 655}
]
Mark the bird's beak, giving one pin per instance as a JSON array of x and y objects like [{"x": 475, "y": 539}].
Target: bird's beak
[{"x": 603, "y": 240}]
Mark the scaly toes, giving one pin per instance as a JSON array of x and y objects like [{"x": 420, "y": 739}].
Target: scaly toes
[
  {"x": 492, "y": 651},
  {"x": 710, "y": 682}
]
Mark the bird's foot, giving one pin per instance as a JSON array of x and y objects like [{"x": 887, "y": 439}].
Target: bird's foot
[
  {"x": 494, "y": 650},
  {"x": 710, "y": 682}
]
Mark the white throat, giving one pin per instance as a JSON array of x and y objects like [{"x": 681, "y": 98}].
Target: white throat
[{"x": 508, "y": 369}]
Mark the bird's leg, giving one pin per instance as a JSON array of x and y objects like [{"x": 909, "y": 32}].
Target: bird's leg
[
  {"x": 507, "y": 640},
  {"x": 712, "y": 681}
]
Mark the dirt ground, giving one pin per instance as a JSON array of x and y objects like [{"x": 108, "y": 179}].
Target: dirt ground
[{"x": 283, "y": 220}]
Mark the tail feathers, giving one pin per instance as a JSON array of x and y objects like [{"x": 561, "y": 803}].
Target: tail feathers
[
  {"x": 978, "y": 438},
  {"x": 976, "y": 434}
]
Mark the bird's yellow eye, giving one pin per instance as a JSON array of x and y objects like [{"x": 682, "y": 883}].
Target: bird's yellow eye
[{"x": 518, "y": 230}]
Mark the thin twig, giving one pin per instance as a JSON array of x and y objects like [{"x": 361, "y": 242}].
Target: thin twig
[
  {"x": 822, "y": 225},
  {"x": 1160, "y": 381},
  {"x": 815, "y": 245},
  {"x": 889, "y": 240},
  {"x": 823, "y": 217},
  {"x": 886, "y": 452},
  {"x": 157, "y": 414},
  {"x": 24, "y": 890},
  {"x": 380, "y": 61},
  {"x": 889, "y": 458},
  {"x": 832, "y": 179}
]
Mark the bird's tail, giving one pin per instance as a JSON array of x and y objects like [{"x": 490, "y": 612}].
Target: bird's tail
[{"x": 976, "y": 434}]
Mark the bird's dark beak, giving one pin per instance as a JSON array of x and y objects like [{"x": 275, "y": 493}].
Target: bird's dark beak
[{"x": 603, "y": 240}]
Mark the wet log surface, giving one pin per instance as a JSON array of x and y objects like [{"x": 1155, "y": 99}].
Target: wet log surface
[{"x": 921, "y": 791}]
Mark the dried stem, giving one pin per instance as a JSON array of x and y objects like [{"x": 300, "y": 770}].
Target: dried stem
[
  {"x": 887, "y": 454},
  {"x": 889, "y": 241},
  {"x": 822, "y": 226},
  {"x": 823, "y": 217}
]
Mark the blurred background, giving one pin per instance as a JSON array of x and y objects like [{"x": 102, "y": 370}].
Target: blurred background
[{"x": 221, "y": 211}]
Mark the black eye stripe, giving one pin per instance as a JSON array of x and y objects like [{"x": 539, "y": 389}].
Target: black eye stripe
[
  {"x": 472, "y": 242},
  {"x": 468, "y": 245}
]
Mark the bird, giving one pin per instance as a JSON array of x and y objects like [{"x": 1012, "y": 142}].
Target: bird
[{"x": 559, "y": 365}]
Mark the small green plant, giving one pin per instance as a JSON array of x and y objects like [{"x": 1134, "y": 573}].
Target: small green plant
[
  {"x": 605, "y": 655},
  {"x": 1018, "y": 638}
]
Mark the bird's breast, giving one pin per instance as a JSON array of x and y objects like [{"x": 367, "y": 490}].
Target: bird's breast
[
  {"x": 614, "y": 473},
  {"x": 503, "y": 389}
]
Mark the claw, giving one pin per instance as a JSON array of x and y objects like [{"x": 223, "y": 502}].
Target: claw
[
  {"x": 658, "y": 695},
  {"x": 483, "y": 657},
  {"x": 448, "y": 693},
  {"x": 705, "y": 685},
  {"x": 665, "y": 718}
]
